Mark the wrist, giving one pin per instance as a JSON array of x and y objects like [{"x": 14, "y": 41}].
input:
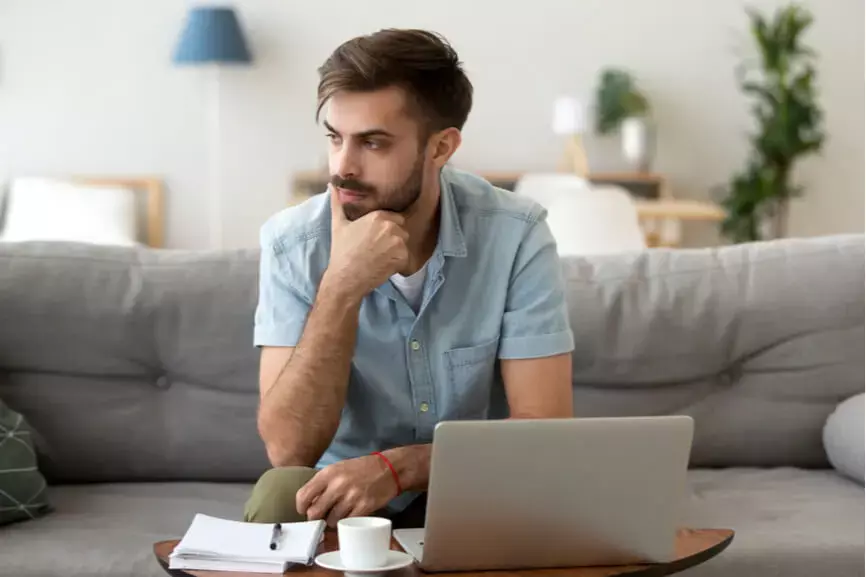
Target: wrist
[
  {"x": 412, "y": 465},
  {"x": 334, "y": 286},
  {"x": 389, "y": 471}
]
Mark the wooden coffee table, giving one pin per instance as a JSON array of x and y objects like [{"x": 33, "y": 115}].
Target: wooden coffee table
[{"x": 693, "y": 547}]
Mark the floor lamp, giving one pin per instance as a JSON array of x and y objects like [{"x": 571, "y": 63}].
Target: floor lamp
[{"x": 212, "y": 37}]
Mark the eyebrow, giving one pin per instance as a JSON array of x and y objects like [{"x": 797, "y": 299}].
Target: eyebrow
[{"x": 363, "y": 134}]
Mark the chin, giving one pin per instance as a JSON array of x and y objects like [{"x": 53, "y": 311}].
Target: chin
[{"x": 354, "y": 211}]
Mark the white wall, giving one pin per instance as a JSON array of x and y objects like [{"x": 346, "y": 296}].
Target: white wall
[{"x": 87, "y": 86}]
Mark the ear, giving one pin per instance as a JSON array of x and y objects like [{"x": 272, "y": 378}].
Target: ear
[{"x": 444, "y": 144}]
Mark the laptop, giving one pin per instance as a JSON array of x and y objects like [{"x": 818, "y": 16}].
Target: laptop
[{"x": 534, "y": 493}]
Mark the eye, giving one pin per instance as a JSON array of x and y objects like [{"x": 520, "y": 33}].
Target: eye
[
  {"x": 374, "y": 145},
  {"x": 333, "y": 138}
]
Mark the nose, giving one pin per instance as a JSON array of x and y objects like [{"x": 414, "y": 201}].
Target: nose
[{"x": 344, "y": 161}]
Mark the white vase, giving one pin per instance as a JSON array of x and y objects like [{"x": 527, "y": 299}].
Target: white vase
[{"x": 637, "y": 142}]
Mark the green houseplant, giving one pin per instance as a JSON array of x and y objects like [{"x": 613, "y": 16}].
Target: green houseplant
[
  {"x": 788, "y": 125},
  {"x": 621, "y": 106},
  {"x": 618, "y": 98}
]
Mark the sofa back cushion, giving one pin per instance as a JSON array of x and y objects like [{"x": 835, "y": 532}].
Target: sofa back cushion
[
  {"x": 757, "y": 342},
  {"x": 138, "y": 364},
  {"x": 133, "y": 364}
]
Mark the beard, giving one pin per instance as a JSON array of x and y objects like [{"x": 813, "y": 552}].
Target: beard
[{"x": 397, "y": 198}]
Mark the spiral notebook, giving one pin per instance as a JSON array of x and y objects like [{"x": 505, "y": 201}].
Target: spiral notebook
[{"x": 214, "y": 544}]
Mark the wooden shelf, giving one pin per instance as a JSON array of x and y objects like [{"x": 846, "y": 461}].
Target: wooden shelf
[
  {"x": 640, "y": 185},
  {"x": 679, "y": 209},
  {"x": 656, "y": 205}
]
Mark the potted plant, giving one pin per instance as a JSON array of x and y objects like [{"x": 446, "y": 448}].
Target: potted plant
[
  {"x": 788, "y": 126},
  {"x": 622, "y": 106}
]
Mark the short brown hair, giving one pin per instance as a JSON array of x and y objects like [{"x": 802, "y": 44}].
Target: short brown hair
[{"x": 421, "y": 62}]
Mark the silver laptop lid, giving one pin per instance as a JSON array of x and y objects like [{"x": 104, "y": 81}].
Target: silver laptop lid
[{"x": 557, "y": 492}]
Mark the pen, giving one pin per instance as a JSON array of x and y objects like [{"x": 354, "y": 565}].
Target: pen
[{"x": 275, "y": 536}]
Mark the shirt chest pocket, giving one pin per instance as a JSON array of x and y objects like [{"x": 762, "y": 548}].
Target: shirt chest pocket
[{"x": 471, "y": 371}]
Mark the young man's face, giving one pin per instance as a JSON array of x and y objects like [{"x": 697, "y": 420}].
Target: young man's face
[{"x": 375, "y": 157}]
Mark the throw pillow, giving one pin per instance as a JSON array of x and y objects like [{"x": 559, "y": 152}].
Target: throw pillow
[
  {"x": 843, "y": 437},
  {"x": 23, "y": 489},
  {"x": 44, "y": 209}
]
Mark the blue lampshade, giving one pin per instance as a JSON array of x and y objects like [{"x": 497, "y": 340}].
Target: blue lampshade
[{"x": 212, "y": 34}]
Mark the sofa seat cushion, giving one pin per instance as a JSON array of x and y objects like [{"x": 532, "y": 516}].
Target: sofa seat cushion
[
  {"x": 788, "y": 522},
  {"x": 109, "y": 529}
]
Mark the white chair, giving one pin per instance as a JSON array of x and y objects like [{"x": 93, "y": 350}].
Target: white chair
[{"x": 585, "y": 218}]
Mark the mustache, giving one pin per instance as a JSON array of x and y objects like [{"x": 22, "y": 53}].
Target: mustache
[{"x": 352, "y": 184}]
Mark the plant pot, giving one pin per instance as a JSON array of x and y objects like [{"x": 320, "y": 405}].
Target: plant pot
[{"x": 638, "y": 142}]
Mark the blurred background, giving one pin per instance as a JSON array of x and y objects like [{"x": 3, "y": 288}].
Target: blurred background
[{"x": 93, "y": 87}]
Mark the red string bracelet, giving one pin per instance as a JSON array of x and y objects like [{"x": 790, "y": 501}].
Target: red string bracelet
[{"x": 393, "y": 471}]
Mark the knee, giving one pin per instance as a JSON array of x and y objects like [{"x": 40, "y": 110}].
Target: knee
[{"x": 273, "y": 497}]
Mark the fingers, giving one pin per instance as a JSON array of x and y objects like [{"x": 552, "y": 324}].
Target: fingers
[
  {"x": 393, "y": 224},
  {"x": 399, "y": 232},
  {"x": 388, "y": 216},
  {"x": 361, "y": 508},
  {"x": 310, "y": 492},
  {"x": 338, "y": 216},
  {"x": 341, "y": 509},
  {"x": 324, "y": 503},
  {"x": 347, "y": 489},
  {"x": 352, "y": 505}
]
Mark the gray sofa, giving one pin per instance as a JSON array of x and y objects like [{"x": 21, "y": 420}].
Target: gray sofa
[{"x": 136, "y": 370}]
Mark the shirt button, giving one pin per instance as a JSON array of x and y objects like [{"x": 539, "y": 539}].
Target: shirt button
[
  {"x": 416, "y": 346},
  {"x": 424, "y": 407}
]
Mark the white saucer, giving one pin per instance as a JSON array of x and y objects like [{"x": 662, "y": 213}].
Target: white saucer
[{"x": 395, "y": 560}]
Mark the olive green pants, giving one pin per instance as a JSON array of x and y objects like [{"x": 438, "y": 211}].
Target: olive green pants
[
  {"x": 273, "y": 500},
  {"x": 273, "y": 497}
]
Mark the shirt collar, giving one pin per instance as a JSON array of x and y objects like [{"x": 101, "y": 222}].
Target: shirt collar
[{"x": 451, "y": 240}]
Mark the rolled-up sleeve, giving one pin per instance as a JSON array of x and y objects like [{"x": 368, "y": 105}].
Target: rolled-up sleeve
[
  {"x": 282, "y": 309},
  {"x": 535, "y": 323}
]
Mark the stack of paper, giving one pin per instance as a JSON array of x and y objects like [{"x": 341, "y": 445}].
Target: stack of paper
[{"x": 213, "y": 544}]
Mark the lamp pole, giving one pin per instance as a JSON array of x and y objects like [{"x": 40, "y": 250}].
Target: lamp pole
[
  {"x": 214, "y": 184},
  {"x": 212, "y": 36}
]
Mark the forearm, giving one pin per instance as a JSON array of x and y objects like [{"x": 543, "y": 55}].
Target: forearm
[
  {"x": 300, "y": 413},
  {"x": 412, "y": 464}
]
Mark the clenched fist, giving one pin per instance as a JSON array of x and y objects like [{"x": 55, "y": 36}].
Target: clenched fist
[{"x": 367, "y": 251}]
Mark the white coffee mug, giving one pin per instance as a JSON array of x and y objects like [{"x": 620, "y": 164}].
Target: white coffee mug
[{"x": 364, "y": 541}]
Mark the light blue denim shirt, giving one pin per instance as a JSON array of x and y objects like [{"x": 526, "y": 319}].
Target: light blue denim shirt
[{"x": 493, "y": 290}]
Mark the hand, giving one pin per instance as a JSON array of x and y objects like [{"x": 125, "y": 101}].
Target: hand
[
  {"x": 349, "y": 488},
  {"x": 365, "y": 252}
]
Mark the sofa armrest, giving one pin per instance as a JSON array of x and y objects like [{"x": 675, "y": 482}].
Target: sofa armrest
[{"x": 843, "y": 437}]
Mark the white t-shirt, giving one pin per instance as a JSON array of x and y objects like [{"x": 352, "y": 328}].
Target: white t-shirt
[{"x": 411, "y": 287}]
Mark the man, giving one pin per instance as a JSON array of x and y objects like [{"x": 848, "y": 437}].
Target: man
[{"x": 386, "y": 303}]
